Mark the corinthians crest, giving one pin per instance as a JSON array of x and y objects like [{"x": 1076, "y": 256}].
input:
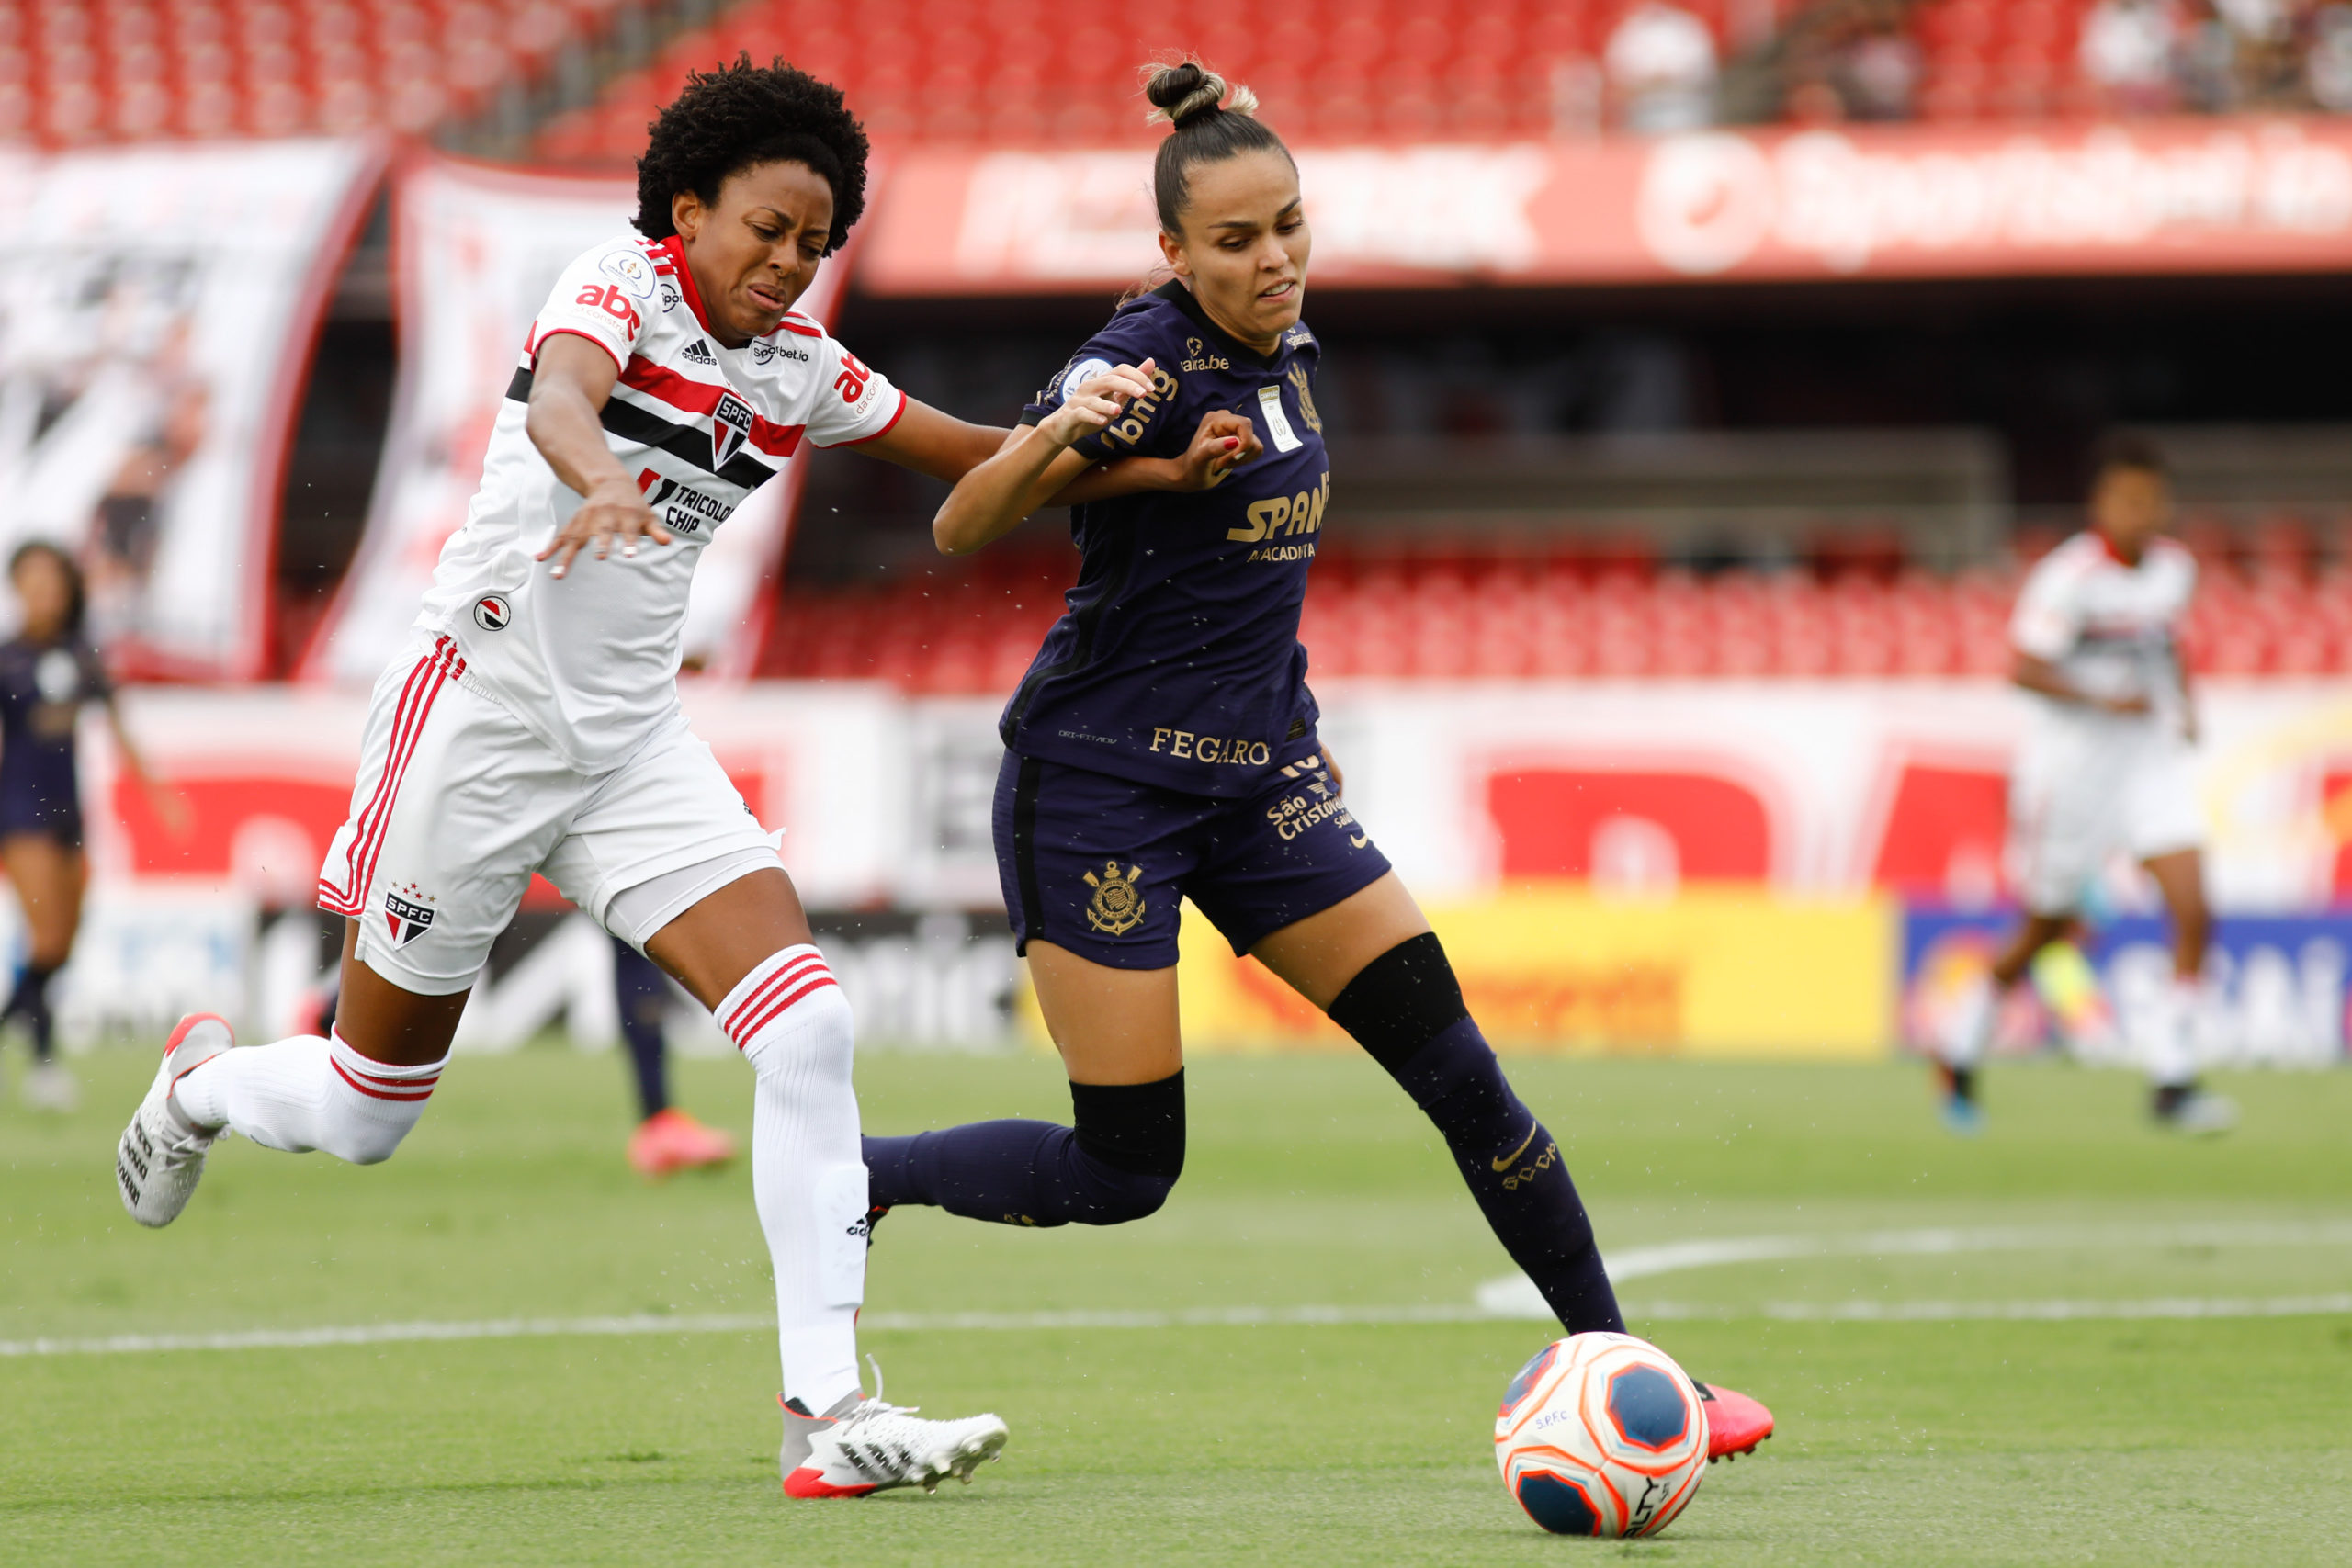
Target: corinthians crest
[{"x": 1118, "y": 908}]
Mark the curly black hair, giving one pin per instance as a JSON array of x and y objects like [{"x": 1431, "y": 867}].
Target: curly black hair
[{"x": 741, "y": 116}]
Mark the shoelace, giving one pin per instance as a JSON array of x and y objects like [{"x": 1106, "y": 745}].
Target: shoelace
[{"x": 874, "y": 1406}]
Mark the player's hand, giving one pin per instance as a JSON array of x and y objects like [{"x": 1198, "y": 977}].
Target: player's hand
[
  {"x": 1095, "y": 403},
  {"x": 1338, "y": 784},
  {"x": 613, "y": 513},
  {"x": 1225, "y": 441}
]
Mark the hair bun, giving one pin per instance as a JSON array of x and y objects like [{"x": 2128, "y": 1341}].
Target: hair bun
[{"x": 1184, "y": 93}]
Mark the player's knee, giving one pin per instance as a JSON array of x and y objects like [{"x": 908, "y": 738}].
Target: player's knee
[{"x": 1128, "y": 1147}]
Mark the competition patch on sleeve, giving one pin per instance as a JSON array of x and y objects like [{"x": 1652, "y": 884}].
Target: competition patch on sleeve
[
  {"x": 1077, "y": 375},
  {"x": 1270, "y": 403}
]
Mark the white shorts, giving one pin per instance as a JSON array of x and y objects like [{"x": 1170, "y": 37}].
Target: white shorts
[
  {"x": 2081, "y": 793},
  {"x": 457, "y": 803}
]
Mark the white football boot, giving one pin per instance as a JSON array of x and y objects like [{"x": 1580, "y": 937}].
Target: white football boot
[
  {"x": 866, "y": 1445},
  {"x": 161, "y": 1153}
]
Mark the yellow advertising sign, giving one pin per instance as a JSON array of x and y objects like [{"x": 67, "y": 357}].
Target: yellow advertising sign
[{"x": 1711, "y": 972}]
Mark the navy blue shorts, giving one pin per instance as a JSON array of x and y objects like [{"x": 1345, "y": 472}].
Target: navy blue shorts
[
  {"x": 24, "y": 810},
  {"x": 1097, "y": 865}
]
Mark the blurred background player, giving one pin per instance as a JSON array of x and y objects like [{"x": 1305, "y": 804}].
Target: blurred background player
[
  {"x": 47, "y": 671},
  {"x": 1163, "y": 745},
  {"x": 667, "y": 1139},
  {"x": 2107, "y": 765}
]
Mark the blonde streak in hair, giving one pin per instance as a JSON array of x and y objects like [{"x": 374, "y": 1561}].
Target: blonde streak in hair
[{"x": 1244, "y": 102}]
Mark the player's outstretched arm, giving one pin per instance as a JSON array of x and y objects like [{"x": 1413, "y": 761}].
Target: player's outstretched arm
[
  {"x": 569, "y": 383},
  {"x": 1033, "y": 464}
]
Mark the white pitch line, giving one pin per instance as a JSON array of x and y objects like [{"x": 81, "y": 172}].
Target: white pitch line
[{"x": 1510, "y": 1298}]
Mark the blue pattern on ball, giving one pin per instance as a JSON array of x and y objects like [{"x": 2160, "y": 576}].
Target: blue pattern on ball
[
  {"x": 1558, "y": 1505},
  {"x": 1527, "y": 1376},
  {"x": 1647, "y": 1407}
]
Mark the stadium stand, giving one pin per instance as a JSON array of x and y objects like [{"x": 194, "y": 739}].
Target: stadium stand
[
  {"x": 2273, "y": 602},
  {"x": 73, "y": 71},
  {"x": 1337, "y": 71}
]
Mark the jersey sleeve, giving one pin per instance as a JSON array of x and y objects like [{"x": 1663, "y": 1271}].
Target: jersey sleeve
[
  {"x": 854, "y": 402},
  {"x": 603, "y": 297},
  {"x": 1143, "y": 428},
  {"x": 2048, "y": 619}
]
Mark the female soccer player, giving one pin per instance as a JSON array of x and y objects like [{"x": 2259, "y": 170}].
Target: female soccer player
[
  {"x": 1163, "y": 745},
  {"x": 47, "y": 671},
  {"x": 2109, "y": 764},
  {"x": 534, "y": 726}
]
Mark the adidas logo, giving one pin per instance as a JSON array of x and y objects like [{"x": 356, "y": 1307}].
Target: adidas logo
[{"x": 698, "y": 353}]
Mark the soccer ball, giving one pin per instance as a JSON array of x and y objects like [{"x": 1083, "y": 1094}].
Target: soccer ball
[{"x": 1601, "y": 1434}]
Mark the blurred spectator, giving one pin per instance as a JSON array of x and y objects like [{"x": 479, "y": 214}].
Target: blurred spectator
[
  {"x": 1660, "y": 63},
  {"x": 1837, "y": 60},
  {"x": 2327, "y": 68},
  {"x": 2129, "y": 53}
]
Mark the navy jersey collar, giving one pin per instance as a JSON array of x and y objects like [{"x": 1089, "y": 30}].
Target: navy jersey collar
[{"x": 1176, "y": 294}]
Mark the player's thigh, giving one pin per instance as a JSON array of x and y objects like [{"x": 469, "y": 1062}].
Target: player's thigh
[
  {"x": 1095, "y": 865},
  {"x": 48, "y": 876},
  {"x": 664, "y": 854},
  {"x": 1111, "y": 1025},
  {"x": 728, "y": 932},
  {"x": 388, "y": 1024},
  {"x": 1318, "y": 956},
  {"x": 2063, "y": 825},
  {"x": 1093, "y": 870},
  {"x": 2162, "y": 819},
  {"x": 2179, "y": 876},
  {"x": 1292, "y": 877},
  {"x": 455, "y": 807}
]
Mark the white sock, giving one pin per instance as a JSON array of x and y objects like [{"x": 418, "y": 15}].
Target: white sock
[
  {"x": 308, "y": 1093},
  {"x": 1971, "y": 1034},
  {"x": 2170, "y": 1050},
  {"x": 793, "y": 1025}
]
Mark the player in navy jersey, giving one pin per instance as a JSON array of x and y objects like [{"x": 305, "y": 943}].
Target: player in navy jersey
[
  {"x": 1163, "y": 745},
  {"x": 47, "y": 671}
]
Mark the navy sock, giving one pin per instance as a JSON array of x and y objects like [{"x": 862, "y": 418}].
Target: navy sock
[
  {"x": 30, "y": 1001},
  {"x": 644, "y": 993},
  {"x": 1116, "y": 1165},
  {"x": 1409, "y": 1015}
]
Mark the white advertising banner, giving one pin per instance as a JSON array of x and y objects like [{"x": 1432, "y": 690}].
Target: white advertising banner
[
  {"x": 1772, "y": 804},
  {"x": 476, "y": 248},
  {"x": 158, "y": 312},
  {"x": 1812, "y": 788}
]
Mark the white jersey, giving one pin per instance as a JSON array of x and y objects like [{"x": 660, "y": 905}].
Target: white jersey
[
  {"x": 2112, "y": 629},
  {"x": 589, "y": 661}
]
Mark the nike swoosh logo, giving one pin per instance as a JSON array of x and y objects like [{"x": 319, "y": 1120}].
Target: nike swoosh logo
[{"x": 1512, "y": 1158}]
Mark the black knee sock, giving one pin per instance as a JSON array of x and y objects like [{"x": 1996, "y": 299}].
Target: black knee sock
[
  {"x": 1406, "y": 1008},
  {"x": 643, "y": 994},
  {"x": 30, "y": 1001},
  {"x": 1116, "y": 1165}
]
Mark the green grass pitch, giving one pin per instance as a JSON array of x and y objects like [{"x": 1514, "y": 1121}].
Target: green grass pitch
[{"x": 1970, "y": 1399}]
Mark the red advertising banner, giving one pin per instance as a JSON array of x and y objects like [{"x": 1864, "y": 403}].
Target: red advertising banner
[{"x": 2179, "y": 196}]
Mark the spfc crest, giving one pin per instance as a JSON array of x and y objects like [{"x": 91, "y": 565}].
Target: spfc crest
[
  {"x": 1117, "y": 907},
  {"x": 408, "y": 917},
  {"x": 731, "y": 426}
]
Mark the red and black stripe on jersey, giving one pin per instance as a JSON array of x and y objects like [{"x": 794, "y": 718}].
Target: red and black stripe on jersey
[{"x": 680, "y": 438}]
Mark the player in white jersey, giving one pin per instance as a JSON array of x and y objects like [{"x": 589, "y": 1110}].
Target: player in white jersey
[
  {"x": 2107, "y": 766},
  {"x": 535, "y": 727}
]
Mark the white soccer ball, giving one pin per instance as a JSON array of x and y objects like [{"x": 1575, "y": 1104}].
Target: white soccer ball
[{"x": 1601, "y": 1434}]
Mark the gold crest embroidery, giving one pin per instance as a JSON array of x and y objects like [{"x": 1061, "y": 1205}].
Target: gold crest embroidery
[
  {"x": 1305, "y": 398},
  {"x": 1117, "y": 907}
]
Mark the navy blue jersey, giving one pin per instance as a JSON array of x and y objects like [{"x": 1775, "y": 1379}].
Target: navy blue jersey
[
  {"x": 1178, "y": 664},
  {"x": 43, "y": 688}
]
